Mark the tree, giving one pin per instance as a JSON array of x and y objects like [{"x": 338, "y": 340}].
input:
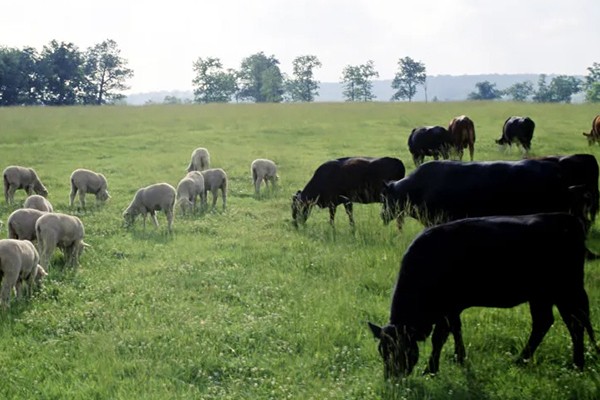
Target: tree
[
  {"x": 61, "y": 72},
  {"x": 592, "y": 84},
  {"x": 542, "y": 94},
  {"x": 261, "y": 79},
  {"x": 105, "y": 73},
  {"x": 357, "y": 82},
  {"x": 18, "y": 76},
  {"x": 520, "y": 91},
  {"x": 213, "y": 84},
  {"x": 560, "y": 89},
  {"x": 304, "y": 87},
  {"x": 411, "y": 74},
  {"x": 485, "y": 91}
]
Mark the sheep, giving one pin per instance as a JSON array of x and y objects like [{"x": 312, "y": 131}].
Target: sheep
[
  {"x": 215, "y": 179},
  {"x": 21, "y": 223},
  {"x": 200, "y": 160},
  {"x": 86, "y": 181},
  {"x": 187, "y": 194},
  {"x": 19, "y": 263},
  {"x": 16, "y": 177},
  {"x": 198, "y": 179},
  {"x": 38, "y": 202},
  {"x": 160, "y": 196},
  {"x": 263, "y": 169},
  {"x": 63, "y": 231}
]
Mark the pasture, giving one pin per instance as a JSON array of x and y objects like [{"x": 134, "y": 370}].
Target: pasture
[{"x": 239, "y": 304}]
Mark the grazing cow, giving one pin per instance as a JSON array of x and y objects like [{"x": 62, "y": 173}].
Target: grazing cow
[
  {"x": 462, "y": 130},
  {"x": 440, "y": 191},
  {"x": 594, "y": 135},
  {"x": 518, "y": 130},
  {"x": 345, "y": 181},
  {"x": 536, "y": 259},
  {"x": 432, "y": 141}
]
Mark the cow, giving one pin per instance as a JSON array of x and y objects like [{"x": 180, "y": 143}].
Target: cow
[
  {"x": 345, "y": 181},
  {"x": 462, "y": 130},
  {"x": 536, "y": 259},
  {"x": 517, "y": 130},
  {"x": 432, "y": 141},
  {"x": 441, "y": 191},
  {"x": 594, "y": 135}
]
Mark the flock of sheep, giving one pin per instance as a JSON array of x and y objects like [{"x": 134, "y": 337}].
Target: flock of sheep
[{"x": 21, "y": 263}]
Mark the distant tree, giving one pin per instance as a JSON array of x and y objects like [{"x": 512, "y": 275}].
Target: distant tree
[
  {"x": 105, "y": 73},
  {"x": 212, "y": 84},
  {"x": 62, "y": 75},
  {"x": 485, "y": 91},
  {"x": 560, "y": 89},
  {"x": 260, "y": 79},
  {"x": 303, "y": 87},
  {"x": 410, "y": 75},
  {"x": 19, "y": 78},
  {"x": 172, "y": 100},
  {"x": 519, "y": 91},
  {"x": 542, "y": 94},
  {"x": 592, "y": 84},
  {"x": 357, "y": 81}
]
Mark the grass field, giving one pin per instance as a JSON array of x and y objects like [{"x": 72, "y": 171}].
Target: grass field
[{"x": 239, "y": 304}]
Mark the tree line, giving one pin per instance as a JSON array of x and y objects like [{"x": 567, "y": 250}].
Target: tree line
[{"x": 62, "y": 74}]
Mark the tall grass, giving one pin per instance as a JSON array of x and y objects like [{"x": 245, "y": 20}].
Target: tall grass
[{"x": 239, "y": 304}]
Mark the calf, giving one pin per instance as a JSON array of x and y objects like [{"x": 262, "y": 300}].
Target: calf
[
  {"x": 345, "y": 181},
  {"x": 594, "y": 135},
  {"x": 432, "y": 141},
  {"x": 462, "y": 130},
  {"x": 536, "y": 259},
  {"x": 517, "y": 130}
]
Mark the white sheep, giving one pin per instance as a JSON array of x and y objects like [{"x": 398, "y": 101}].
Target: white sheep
[
  {"x": 38, "y": 202},
  {"x": 200, "y": 160},
  {"x": 198, "y": 179},
  {"x": 16, "y": 177},
  {"x": 215, "y": 179},
  {"x": 186, "y": 195},
  {"x": 21, "y": 223},
  {"x": 263, "y": 170},
  {"x": 63, "y": 231},
  {"x": 86, "y": 181},
  {"x": 148, "y": 200},
  {"x": 19, "y": 263}
]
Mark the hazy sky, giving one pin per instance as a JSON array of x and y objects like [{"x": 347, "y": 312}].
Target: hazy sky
[{"x": 451, "y": 37}]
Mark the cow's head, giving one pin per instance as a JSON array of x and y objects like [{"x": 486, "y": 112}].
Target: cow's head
[
  {"x": 398, "y": 348},
  {"x": 300, "y": 209}
]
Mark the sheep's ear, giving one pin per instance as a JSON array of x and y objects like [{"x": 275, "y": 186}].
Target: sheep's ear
[{"x": 375, "y": 329}]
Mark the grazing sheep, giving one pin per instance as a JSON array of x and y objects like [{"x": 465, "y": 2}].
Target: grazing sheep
[
  {"x": 86, "y": 181},
  {"x": 187, "y": 192},
  {"x": 263, "y": 170},
  {"x": 198, "y": 179},
  {"x": 21, "y": 178},
  {"x": 21, "y": 223},
  {"x": 38, "y": 202},
  {"x": 19, "y": 263},
  {"x": 63, "y": 231},
  {"x": 200, "y": 160},
  {"x": 215, "y": 179},
  {"x": 160, "y": 196}
]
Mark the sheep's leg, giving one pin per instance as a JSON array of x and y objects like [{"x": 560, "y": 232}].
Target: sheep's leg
[
  {"x": 224, "y": 194},
  {"x": 257, "y": 183},
  {"x": 215, "y": 193},
  {"x": 145, "y": 215},
  {"x": 153, "y": 216},
  {"x": 11, "y": 194},
  {"x": 169, "y": 220},
  {"x": 46, "y": 248},
  {"x": 82, "y": 198},
  {"x": 72, "y": 195},
  {"x": 9, "y": 280}
]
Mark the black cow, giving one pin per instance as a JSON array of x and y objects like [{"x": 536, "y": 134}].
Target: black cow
[
  {"x": 518, "y": 130},
  {"x": 536, "y": 259},
  {"x": 345, "y": 181},
  {"x": 432, "y": 141},
  {"x": 441, "y": 191}
]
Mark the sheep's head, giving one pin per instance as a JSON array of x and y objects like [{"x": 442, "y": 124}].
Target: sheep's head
[
  {"x": 103, "y": 195},
  {"x": 40, "y": 274},
  {"x": 129, "y": 217},
  {"x": 398, "y": 348},
  {"x": 40, "y": 189}
]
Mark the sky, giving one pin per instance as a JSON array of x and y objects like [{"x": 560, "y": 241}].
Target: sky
[{"x": 160, "y": 41}]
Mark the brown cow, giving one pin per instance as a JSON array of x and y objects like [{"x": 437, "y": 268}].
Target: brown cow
[
  {"x": 462, "y": 129},
  {"x": 594, "y": 135}
]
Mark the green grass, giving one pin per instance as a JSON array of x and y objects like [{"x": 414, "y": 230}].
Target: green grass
[{"x": 239, "y": 304}]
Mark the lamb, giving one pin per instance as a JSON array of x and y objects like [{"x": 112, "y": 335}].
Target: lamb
[
  {"x": 38, "y": 202},
  {"x": 263, "y": 169},
  {"x": 200, "y": 160},
  {"x": 19, "y": 263},
  {"x": 63, "y": 231},
  {"x": 160, "y": 196},
  {"x": 16, "y": 177},
  {"x": 215, "y": 179},
  {"x": 198, "y": 179},
  {"x": 187, "y": 192},
  {"x": 86, "y": 181},
  {"x": 21, "y": 223}
]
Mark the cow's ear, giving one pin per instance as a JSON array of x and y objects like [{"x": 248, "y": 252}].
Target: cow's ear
[{"x": 375, "y": 329}]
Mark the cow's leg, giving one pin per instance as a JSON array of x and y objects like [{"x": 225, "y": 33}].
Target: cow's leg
[
  {"x": 459, "y": 345},
  {"x": 471, "y": 150},
  {"x": 438, "y": 338},
  {"x": 541, "y": 320},
  {"x": 332, "y": 214},
  {"x": 348, "y": 207}
]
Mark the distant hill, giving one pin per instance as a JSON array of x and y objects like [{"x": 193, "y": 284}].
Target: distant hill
[{"x": 439, "y": 87}]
